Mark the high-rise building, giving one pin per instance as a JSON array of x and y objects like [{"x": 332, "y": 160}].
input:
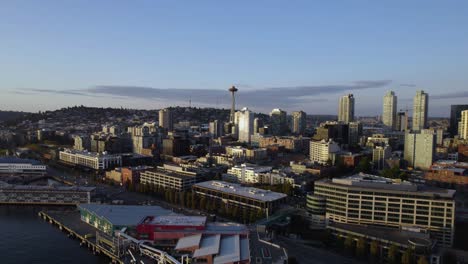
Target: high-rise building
[
  {"x": 354, "y": 133},
  {"x": 216, "y": 129},
  {"x": 244, "y": 123},
  {"x": 379, "y": 154},
  {"x": 463, "y": 125},
  {"x": 402, "y": 121},
  {"x": 455, "y": 117},
  {"x": 299, "y": 122},
  {"x": 278, "y": 122},
  {"x": 143, "y": 137},
  {"x": 389, "y": 114},
  {"x": 420, "y": 107},
  {"x": 258, "y": 123},
  {"x": 346, "y": 109},
  {"x": 420, "y": 148},
  {"x": 165, "y": 119},
  {"x": 320, "y": 150}
]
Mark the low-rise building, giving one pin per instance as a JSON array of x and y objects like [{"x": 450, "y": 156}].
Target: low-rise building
[
  {"x": 448, "y": 173},
  {"x": 17, "y": 166},
  {"x": 172, "y": 177},
  {"x": 365, "y": 199},
  {"x": 244, "y": 197},
  {"x": 246, "y": 173},
  {"x": 320, "y": 151},
  {"x": 96, "y": 161},
  {"x": 44, "y": 195}
]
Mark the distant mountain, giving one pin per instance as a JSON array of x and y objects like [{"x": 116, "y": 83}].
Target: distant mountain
[{"x": 10, "y": 115}]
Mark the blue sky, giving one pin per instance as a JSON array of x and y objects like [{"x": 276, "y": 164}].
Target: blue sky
[{"x": 288, "y": 54}]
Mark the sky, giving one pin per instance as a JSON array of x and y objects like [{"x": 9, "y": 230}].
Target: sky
[{"x": 294, "y": 55}]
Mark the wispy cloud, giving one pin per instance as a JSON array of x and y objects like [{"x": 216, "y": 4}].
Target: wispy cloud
[
  {"x": 407, "y": 85},
  {"x": 453, "y": 95},
  {"x": 287, "y": 96}
]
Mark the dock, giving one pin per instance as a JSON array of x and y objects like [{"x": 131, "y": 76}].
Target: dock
[{"x": 69, "y": 222}]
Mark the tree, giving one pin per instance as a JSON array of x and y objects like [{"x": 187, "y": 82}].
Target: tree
[
  {"x": 393, "y": 254},
  {"x": 203, "y": 203},
  {"x": 361, "y": 247},
  {"x": 364, "y": 165},
  {"x": 374, "y": 250},
  {"x": 422, "y": 260},
  {"x": 260, "y": 214},
  {"x": 349, "y": 244},
  {"x": 252, "y": 216},
  {"x": 292, "y": 260},
  {"x": 407, "y": 257}
]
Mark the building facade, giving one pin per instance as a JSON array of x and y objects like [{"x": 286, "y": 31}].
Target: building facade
[
  {"x": 389, "y": 113},
  {"x": 372, "y": 200},
  {"x": 166, "y": 119},
  {"x": 420, "y": 148},
  {"x": 299, "y": 122},
  {"x": 244, "y": 123},
  {"x": 233, "y": 194},
  {"x": 402, "y": 121},
  {"x": 420, "y": 107},
  {"x": 455, "y": 117},
  {"x": 278, "y": 122},
  {"x": 463, "y": 125},
  {"x": 171, "y": 177},
  {"x": 320, "y": 151},
  {"x": 96, "y": 161},
  {"x": 346, "y": 109},
  {"x": 17, "y": 166}
]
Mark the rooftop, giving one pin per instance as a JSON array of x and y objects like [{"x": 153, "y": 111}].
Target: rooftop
[
  {"x": 125, "y": 215},
  {"x": 89, "y": 154},
  {"x": 369, "y": 182},
  {"x": 15, "y": 160},
  {"x": 7, "y": 186},
  {"x": 178, "y": 220},
  {"x": 250, "y": 192}
]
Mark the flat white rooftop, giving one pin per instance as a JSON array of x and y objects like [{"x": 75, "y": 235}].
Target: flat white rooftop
[{"x": 237, "y": 189}]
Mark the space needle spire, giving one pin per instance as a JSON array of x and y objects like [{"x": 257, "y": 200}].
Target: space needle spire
[{"x": 233, "y": 90}]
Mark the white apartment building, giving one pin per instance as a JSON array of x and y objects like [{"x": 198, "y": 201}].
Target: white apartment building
[
  {"x": 12, "y": 165},
  {"x": 97, "y": 161},
  {"x": 463, "y": 125},
  {"x": 420, "y": 148},
  {"x": 320, "y": 150},
  {"x": 244, "y": 122},
  {"x": 246, "y": 173},
  {"x": 389, "y": 113}
]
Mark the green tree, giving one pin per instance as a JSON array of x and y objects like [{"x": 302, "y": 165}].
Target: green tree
[
  {"x": 203, "y": 203},
  {"x": 422, "y": 260},
  {"x": 245, "y": 215},
  {"x": 188, "y": 200},
  {"x": 407, "y": 257},
  {"x": 393, "y": 254},
  {"x": 349, "y": 244},
  {"x": 252, "y": 216},
  {"x": 364, "y": 165},
  {"x": 260, "y": 214},
  {"x": 361, "y": 247}
]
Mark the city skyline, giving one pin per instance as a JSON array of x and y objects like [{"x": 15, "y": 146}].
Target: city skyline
[{"x": 171, "y": 54}]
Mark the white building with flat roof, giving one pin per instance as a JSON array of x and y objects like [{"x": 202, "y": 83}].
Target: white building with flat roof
[
  {"x": 320, "y": 150},
  {"x": 17, "y": 166},
  {"x": 97, "y": 161},
  {"x": 246, "y": 173}
]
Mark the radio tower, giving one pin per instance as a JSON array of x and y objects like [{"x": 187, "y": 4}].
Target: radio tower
[{"x": 233, "y": 90}]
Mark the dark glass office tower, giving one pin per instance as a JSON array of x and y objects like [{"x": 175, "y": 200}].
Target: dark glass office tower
[{"x": 455, "y": 115}]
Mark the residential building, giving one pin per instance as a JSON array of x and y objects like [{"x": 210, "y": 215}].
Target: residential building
[
  {"x": 354, "y": 133},
  {"x": 166, "y": 119},
  {"x": 420, "y": 148},
  {"x": 176, "y": 146},
  {"x": 365, "y": 199},
  {"x": 380, "y": 154},
  {"x": 16, "y": 166},
  {"x": 131, "y": 175},
  {"x": 420, "y": 108},
  {"x": 463, "y": 125},
  {"x": 278, "y": 122},
  {"x": 82, "y": 142},
  {"x": 448, "y": 173},
  {"x": 216, "y": 129},
  {"x": 244, "y": 123},
  {"x": 246, "y": 173},
  {"x": 293, "y": 144},
  {"x": 320, "y": 151},
  {"x": 172, "y": 177},
  {"x": 143, "y": 137},
  {"x": 257, "y": 124},
  {"x": 232, "y": 194},
  {"x": 96, "y": 161},
  {"x": 455, "y": 117},
  {"x": 389, "y": 115},
  {"x": 299, "y": 122},
  {"x": 402, "y": 121},
  {"x": 346, "y": 109}
]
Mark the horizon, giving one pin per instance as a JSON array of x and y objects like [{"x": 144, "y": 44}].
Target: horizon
[{"x": 294, "y": 57}]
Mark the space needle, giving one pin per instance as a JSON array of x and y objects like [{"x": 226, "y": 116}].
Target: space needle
[{"x": 233, "y": 90}]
